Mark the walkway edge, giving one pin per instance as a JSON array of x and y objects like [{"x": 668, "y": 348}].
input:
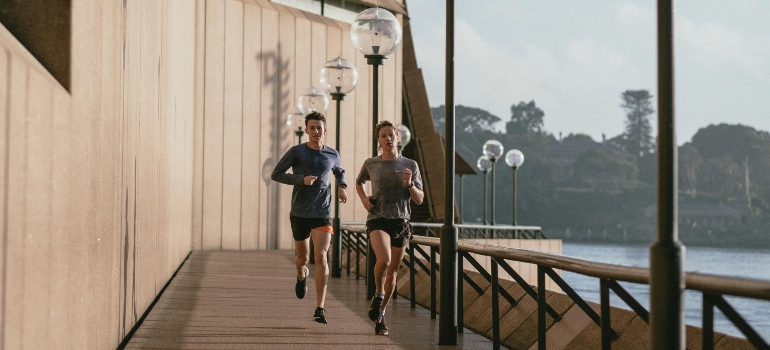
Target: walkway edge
[{"x": 136, "y": 326}]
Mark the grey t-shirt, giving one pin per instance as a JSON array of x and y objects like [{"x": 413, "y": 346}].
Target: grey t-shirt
[
  {"x": 391, "y": 196},
  {"x": 312, "y": 201}
]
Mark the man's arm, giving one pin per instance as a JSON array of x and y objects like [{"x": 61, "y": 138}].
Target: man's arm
[{"x": 279, "y": 172}]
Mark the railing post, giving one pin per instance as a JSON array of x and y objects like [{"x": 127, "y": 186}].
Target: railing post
[
  {"x": 541, "y": 305},
  {"x": 347, "y": 239},
  {"x": 447, "y": 329},
  {"x": 432, "y": 283},
  {"x": 605, "y": 315},
  {"x": 412, "y": 288},
  {"x": 460, "y": 305},
  {"x": 358, "y": 255},
  {"x": 708, "y": 322},
  {"x": 667, "y": 329},
  {"x": 371, "y": 260},
  {"x": 495, "y": 307}
]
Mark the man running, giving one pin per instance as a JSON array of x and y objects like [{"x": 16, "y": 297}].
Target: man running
[{"x": 310, "y": 213}]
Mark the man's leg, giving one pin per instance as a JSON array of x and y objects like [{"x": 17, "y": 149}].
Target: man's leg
[
  {"x": 302, "y": 250},
  {"x": 397, "y": 255},
  {"x": 321, "y": 240}
]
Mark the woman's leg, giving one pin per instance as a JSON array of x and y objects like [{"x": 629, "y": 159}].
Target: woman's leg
[
  {"x": 380, "y": 242},
  {"x": 397, "y": 255}
]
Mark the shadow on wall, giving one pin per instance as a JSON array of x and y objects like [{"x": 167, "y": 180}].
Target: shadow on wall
[{"x": 277, "y": 93}]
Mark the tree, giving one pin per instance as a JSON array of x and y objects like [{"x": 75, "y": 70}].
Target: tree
[
  {"x": 601, "y": 164},
  {"x": 526, "y": 118},
  {"x": 722, "y": 176},
  {"x": 689, "y": 163},
  {"x": 467, "y": 119},
  {"x": 637, "y": 140}
]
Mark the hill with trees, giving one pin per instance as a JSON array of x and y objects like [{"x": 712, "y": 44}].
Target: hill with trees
[{"x": 578, "y": 188}]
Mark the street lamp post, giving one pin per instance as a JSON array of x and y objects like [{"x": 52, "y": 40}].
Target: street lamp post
[
  {"x": 484, "y": 164},
  {"x": 296, "y": 118},
  {"x": 339, "y": 76},
  {"x": 404, "y": 136},
  {"x": 514, "y": 158},
  {"x": 312, "y": 100},
  {"x": 376, "y": 33},
  {"x": 493, "y": 149}
]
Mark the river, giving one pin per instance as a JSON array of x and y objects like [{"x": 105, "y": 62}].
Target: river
[{"x": 719, "y": 261}]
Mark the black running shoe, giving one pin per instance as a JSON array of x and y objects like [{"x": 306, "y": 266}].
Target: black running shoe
[
  {"x": 380, "y": 328},
  {"x": 301, "y": 287},
  {"x": 320, "y": 315},
  {"x": 374, "y": 310}
]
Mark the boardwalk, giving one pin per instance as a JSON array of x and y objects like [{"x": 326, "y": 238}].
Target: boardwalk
[{"x": 245, "y": 300}]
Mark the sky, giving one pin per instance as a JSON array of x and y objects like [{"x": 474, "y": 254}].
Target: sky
[{"x": 575, "y": 58}]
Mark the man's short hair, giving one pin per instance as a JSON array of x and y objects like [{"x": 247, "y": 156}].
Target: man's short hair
[{"x": 315, "y": 116}]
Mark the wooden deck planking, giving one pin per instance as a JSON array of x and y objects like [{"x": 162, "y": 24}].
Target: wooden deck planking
[{"x": 245, "y": 300}]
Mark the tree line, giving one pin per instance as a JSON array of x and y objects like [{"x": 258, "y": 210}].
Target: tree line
[{"x": 576, "y": 187}]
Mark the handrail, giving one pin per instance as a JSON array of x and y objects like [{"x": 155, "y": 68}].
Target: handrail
[
  {"x": 713, "y": 287},
  {"x": 708, "y": 283},
  {"x": 459, "y": 226}
]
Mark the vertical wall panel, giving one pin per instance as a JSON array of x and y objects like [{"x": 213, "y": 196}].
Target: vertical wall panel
[
  {"x": 318, "y": 53},
  {"x": 270, "y": 60},
  {"x": 17, "y": 188},
  {"x": 213, "y": 124},
  {"x": 199, "y": 99},
  {"x": 252, "y": 76},
  {"x": 5, "y": 75},
  {"x": 91, "y": 100},
  {"x": 303, "y": 47},
  {"x": 233, "y": 125},
  {"x": 37, "y": 213},
  {"x": 127, "y": 307},
  {"x": 363, "y": 125},
  {"x": 288, "y": 55},
  {"x": 110, "y": 196},
  {"x": 57, "y": 263},
  {"x": 348, "y": 119}
]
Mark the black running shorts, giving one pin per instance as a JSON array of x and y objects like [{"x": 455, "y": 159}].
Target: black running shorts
[
  {"x": 300, "y": 227},
  {"x": 399, "y": 230}
]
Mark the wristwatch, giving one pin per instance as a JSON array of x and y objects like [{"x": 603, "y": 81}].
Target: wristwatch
[{"x": 410, "y": 186}]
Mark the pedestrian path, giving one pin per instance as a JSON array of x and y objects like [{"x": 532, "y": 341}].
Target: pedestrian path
[{"x": 245, "y": 300}]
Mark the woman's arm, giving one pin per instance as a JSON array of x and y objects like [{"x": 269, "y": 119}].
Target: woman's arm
[
  {"x": 417, "y": 194},
  {"x": 362, "y": 196}
]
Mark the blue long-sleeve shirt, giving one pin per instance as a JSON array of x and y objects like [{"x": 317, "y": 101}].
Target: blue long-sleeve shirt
[{"x": 312, "y": 201}]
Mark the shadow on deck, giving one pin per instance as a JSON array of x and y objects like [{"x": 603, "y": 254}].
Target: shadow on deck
[{"x": 245, "y": 300}]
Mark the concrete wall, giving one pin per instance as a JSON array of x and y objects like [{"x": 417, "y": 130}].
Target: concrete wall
[
  {"x": 257, "y": 58},
  {"x": 164, "y": 143}
]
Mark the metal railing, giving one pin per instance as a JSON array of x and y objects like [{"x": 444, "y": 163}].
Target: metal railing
[
  {"x": 712, "y": 287},
  {"x": 468, "y": 231}
]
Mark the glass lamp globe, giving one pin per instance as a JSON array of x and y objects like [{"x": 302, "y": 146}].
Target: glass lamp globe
[
  {"x": 404, "y": 135},
  {"x": 313, "y": 100},
  {"x": 376, "y": 31},
  {"x": 296, "y": 119},
  {"x": 493, "y": 149},
  {"x": 339, "y": 75},
  {"x": 514, "y": 158},
  {"x": 484, "y": 164}
]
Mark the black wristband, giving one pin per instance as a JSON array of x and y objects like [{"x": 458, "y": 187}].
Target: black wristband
[
  {"x": 410, "y": 186},
  {"x": 344, "y": 186}
]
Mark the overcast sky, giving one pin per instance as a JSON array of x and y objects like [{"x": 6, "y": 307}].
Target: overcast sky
[{"x": 575, "y": 58}]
